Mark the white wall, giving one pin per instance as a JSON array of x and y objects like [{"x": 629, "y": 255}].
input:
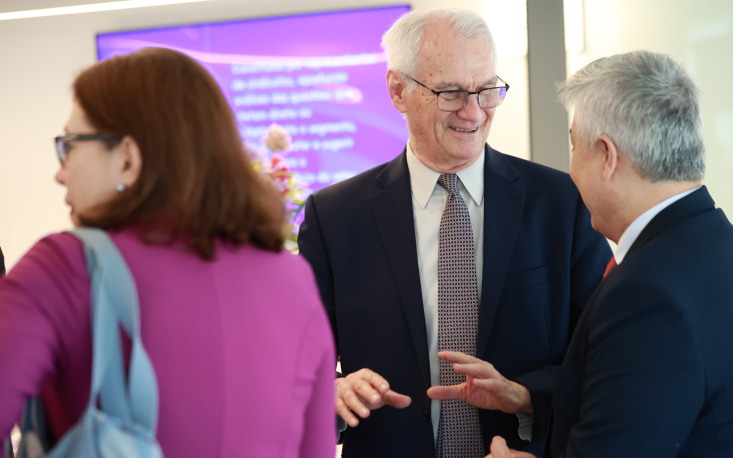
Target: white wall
[
  {"x": 697, "y": 34},
  {"x": 40, "y": 57}
]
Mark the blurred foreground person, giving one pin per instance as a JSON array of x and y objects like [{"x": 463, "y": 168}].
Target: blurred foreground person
[{"x": 233, "y": 324}]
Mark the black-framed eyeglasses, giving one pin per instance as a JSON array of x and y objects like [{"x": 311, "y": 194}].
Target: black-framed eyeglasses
[
  {"x": 454, "y": 100},
  {"x": 63, "y": 147}
]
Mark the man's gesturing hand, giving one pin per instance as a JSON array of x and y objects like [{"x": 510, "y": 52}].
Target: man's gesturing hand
[
  {"x": 499, "y": 449},
  {"x": 362, "y": 391},
  {"x": 484, "y": 388}
]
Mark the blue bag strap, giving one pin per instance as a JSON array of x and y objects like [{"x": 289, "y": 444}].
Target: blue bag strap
[{"x": 114, "y": 300}]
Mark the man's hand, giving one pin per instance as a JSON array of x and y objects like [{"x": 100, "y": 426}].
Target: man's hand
[
  {"x": 360, "y": 392},
  {"x": 484, "y": 388},
  {"x": 499, "y": 449}
]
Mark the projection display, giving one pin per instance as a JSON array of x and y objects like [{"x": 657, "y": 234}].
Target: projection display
[{"x": 320, "y": 76}]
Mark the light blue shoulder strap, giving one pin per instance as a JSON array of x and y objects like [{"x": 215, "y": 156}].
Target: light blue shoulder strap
[{"x": 114, "y": 300}]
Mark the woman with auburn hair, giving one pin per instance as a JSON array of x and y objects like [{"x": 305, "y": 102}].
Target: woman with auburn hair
[{"x": 234, "y": 326}]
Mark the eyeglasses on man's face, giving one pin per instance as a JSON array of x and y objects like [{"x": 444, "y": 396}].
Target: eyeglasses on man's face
[
  {"x": 454, "y": 100},
  {"x": 63, "y": 142}
]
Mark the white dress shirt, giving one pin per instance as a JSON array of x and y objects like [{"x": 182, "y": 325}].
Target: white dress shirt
[{"x": 428, "y": 202}]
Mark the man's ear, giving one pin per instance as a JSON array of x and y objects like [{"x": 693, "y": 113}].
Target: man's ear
[
  {"x": 129, "y": 161},
  {"x": 611, "y": 156},
  {"x": 396, "y": 86}
]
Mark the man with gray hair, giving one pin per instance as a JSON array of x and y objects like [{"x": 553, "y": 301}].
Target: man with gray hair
[
  {"x": 649, "y": 370},
  {"x": 450, "y": 246}
]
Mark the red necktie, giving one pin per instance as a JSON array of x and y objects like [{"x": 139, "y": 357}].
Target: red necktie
[{"x": 609, "y": 267}]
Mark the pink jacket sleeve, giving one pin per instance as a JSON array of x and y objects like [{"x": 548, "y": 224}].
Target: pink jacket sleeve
[{"x": 44, "y": 319}]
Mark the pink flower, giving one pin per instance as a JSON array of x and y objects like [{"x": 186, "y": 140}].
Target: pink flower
[{"x": 278, "y": 163}]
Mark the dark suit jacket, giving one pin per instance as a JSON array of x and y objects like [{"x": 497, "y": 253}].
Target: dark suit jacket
[
  {"x": 649, "y": 371},
  {"x": 541, "y": 258}
]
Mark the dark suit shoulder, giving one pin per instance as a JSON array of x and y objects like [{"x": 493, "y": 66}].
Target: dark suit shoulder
[
  {"x": 541, "y": 186},
  {"x": 513, "y": 167},
  {"x": 357, "y": 183}
]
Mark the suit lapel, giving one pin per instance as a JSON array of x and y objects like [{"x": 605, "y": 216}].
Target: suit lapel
[
  {"x": 696, "y": 202},
  {"x": 392, "y": 209},
  {"x": 503, "y": 206}
]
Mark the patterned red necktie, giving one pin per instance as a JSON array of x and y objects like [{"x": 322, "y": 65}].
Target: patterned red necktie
[
  {"x": 610, "y": 266},
  {"x": 459, "y": 434}
]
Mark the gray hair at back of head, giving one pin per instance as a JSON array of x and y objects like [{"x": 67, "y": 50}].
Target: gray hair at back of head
[
  {"x": 648, "y": 105},
  {"x": 403, "y": 39}
]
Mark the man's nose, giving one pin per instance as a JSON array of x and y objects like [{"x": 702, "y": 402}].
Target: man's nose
[{"x": 471, "y": 110}]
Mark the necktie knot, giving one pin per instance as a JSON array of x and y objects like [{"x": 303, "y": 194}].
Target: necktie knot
[{"x": 450, "y": 182}]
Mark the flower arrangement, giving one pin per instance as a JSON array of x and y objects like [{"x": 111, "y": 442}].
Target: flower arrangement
[{"x": 271, "y": 163}]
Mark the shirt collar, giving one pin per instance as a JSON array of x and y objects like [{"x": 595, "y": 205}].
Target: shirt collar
[
  {"x": 632, "y": 232},
  {"x": 424, "y": 179}
]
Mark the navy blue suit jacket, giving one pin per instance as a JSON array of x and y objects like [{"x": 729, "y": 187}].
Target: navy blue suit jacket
[
  {"x": 649, "y": 370},
  {"x": 542, "y": 261}
]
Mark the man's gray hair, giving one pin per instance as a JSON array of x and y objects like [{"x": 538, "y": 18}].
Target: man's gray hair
[
  {"x": 403, "y": 39},
  {"x": 648, "y": 105}
]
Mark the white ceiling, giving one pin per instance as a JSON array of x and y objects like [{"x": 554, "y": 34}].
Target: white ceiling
[{"x": 9, "y": 6}]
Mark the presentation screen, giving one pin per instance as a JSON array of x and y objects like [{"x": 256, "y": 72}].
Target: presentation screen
[{"x": 320, "y": 76}]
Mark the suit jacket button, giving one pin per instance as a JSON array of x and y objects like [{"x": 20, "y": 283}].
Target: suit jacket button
[{"x": 425, "y": 416}]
